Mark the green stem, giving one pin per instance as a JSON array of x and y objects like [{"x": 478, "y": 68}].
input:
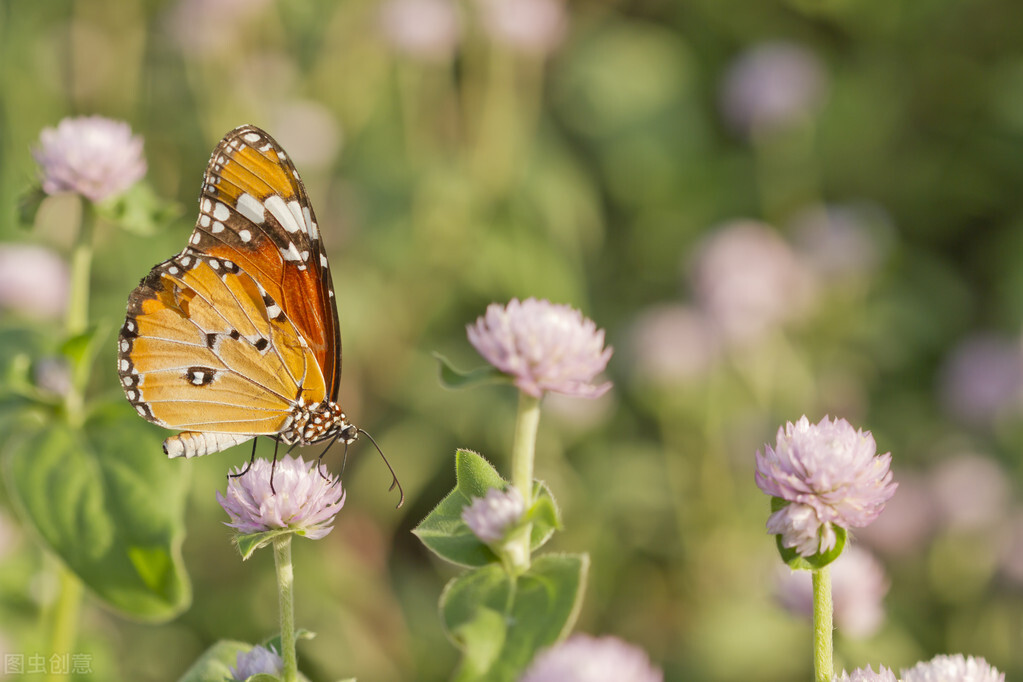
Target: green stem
[
  {"x": 77, "y": 318},
  {"x": 823, "y": 658},
  {"x": 64, "y": 617},
  {"x": 523, "y": 454},
  {"x": 286, "y": 590}
]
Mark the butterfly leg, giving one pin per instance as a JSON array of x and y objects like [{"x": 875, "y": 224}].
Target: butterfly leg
[
  {"x": 273, "y": 466},
  {"x": 251, "y": 460},
  {"x": 319, "y": 461}
]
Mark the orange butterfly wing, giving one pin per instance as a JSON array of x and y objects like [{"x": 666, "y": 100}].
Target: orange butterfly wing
[{"x": 230, "y": 337}]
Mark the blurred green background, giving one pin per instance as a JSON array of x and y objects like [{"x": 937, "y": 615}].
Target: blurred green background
[{"x": 774, "y": 208}]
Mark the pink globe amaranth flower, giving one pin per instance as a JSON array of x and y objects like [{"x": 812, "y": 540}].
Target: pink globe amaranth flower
[
  {"x": 771, "y": 86},
  {"x": 955, "y": 668},
  {"x": 305, "y": 502},
  {"x": 490, "y": 517},
  {"x": 543, "y": 346},
  {"x": 582, "y": 658},
  {"x": 536, "y": 27},
  {"x": 858, "y": 585},
  {"x": 34, "y": 281},
  {"x": 258, "y": 659},
  {"x": 94, "y": 156},
  {"x": 830, "y": 474},
  {"x": 429, "y": 30},
  {"x": 867, "y": 674},
  {"x": 982, "y": 379},
  {"x": 748, "y": 280}
]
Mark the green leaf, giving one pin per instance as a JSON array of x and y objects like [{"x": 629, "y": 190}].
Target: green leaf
[
  {"x": 107, "y": 501},
  {"x": 796, "y": 561},
  {"x": 214, "y": 665},
  {"x": 444, "y": 532},
  {"x": 456, "y": 378},
  {"x": 28, "y": 206},
  {"x": 248, "y": 544},
  {"x": 139, "y": 210},
  {"x": 500, "y": 625}
]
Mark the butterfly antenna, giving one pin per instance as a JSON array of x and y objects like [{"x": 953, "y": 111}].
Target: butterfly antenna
[
  {"x": 251, "y": 460},
  {"x": 394, "y": 483}
]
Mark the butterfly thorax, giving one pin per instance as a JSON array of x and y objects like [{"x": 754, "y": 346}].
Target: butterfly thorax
[{"x": 312, "y": 423}]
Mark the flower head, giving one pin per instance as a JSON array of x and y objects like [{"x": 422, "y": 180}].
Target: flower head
[
  {"x": 957, "y": 668},
  {"x": 543, "y": 346},
  {"x": 91, "y": 155},
  {"x": 422, "y": 29},
  {"x": 748, "y": 280},
  {"x": 582, "y": 658},
  {"x": 831, "y": 476},
  {"x": 867, "y": 674},
  {"x": 258, "y": 659},
  {"x": 533, "y": 26},
  {"x": 490, "y": 517},
  {"x": 306, "y": 500},
  {"x": 34, "y": 281},
  {"x": 771, "y": 86}
]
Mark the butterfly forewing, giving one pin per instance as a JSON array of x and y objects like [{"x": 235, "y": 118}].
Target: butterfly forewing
[
  {"x": 254, "y": 210},
  {"x": 237, "y": 336}
]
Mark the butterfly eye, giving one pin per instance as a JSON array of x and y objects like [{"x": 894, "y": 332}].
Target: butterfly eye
[{"x": 348, "y": 434}]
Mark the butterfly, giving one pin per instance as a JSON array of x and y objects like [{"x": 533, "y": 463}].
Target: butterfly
[{"x": 237, "y": 336}]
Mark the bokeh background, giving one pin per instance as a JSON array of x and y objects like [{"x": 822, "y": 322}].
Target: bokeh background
[{"x": 774, "y": 208}]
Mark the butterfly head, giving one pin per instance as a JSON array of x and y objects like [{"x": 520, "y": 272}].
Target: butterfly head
[{"x": 318, "y": 422}]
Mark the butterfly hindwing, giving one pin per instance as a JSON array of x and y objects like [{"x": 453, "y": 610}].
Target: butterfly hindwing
[{"x": 200, "y": 351}]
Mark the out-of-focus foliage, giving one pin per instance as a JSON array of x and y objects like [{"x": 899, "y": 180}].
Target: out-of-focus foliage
[{"x": 843, "y": 236}]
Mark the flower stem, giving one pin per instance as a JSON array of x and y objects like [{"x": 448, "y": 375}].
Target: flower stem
[
  {"x": 286, "y": 590},
  {"x": 77, "y": 317},
  {"x": 823, "y": 659},
  {"x": 76, "y": 320},
  {"x": 64, "y": 617},
  {"x": 523, "y": 454}
]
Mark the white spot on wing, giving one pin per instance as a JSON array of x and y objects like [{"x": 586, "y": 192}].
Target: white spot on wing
[
  {"x": 206, "y": 205},
  {"x": 252, "y": 138},
  {"x": 252, "y": 208},
  {"x": 291, "y": 253},
  {"x": 221, "y": 211},
  {"x": 218, "y": 226},
  {"x": 310, "y": 224},
  {"x": 284, "y": 216},
  {"x": 244, "y": 235},
  {"x": 323, "y": 260},
  {"x": 204, "y": 220}
]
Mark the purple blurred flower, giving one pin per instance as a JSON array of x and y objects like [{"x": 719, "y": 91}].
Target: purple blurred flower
[
  {"x": 306, "y": 501},
  {"x": 858, "y": 585},
  {"x": 258, "y": 659},
  {"x": 908, "y": 521},
  {"x": 831, "y": 476},
  {"x": 747, "y": 279},
  {"x": 543, "y": 346},
  {"x": 91, "y": 155},
  {"x": 211, "y": 27},
  {"x": 771, "y": 86},
  {"x": 582, "y": 658},
  {"x": 490, "y": 517},
  {"x": 867, "y": 674},
  {"x": 422, "y": 29},
  {"x": 532, "y": 26},
  {"x": 34, "y": 281},
  {"x": 983, "y": 378},
  {"x": 841, "y": 241},
  {"x": 956, "y": 668},
  {"x": 672, "y": 344},
  {"x": 971, "y": 491}
]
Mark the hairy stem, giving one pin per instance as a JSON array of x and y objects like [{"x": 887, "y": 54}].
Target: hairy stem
[
  {"x": 823, "y": 658},
  {"x": 286, "y": 591}
]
